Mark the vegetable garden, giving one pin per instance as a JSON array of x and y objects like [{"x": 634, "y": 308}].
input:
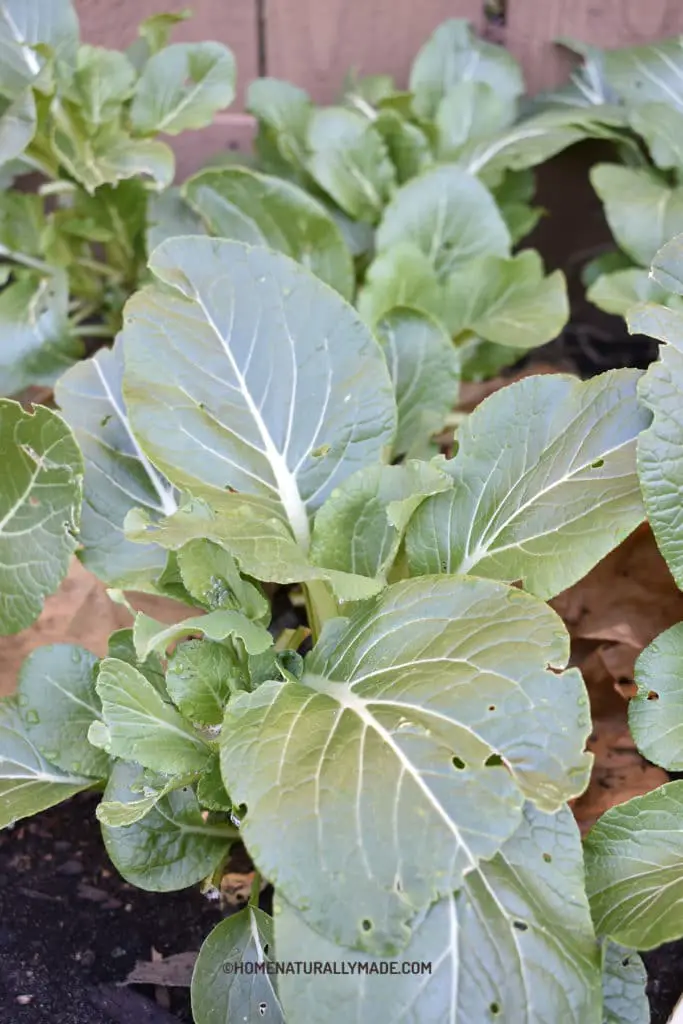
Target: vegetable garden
[{"x": 256, "y": 393}]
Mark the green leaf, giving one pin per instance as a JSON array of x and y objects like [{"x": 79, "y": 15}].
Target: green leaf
[
  {"x": 453, "y": 55},
  {"x": 400, "y": 739},
  {"x": 407, "y": 144},
  {"x": 213, "y": 579},
  {"x": 154, "y": 637},
  {"x": 210, "y": 789},
  {"x": 143, "y": 797},
  {"x": 618, "y": 292},
  {"x": 514, "y": 196},
  {"x": 25, "y": 24},
  {"x": 425, "y": 370},
  {"x": 623, "y": 984},
  {"x": 172, "y": 847},
  {"x": 643, "y": 212},
  {"x": 118, "y": 475},
  {"x": 258, "y": 539},
  {"x": 661, "y": 125},
  {"x": 350, "y": 161},
  {"x": 183, "y": 86},
  {"x": 100, "y": 83},
  {"x": 513, "y": 945},
  {"x": 449, "y": 216},
  {"x": 40, "y": 498},
  {"x": 28, "y": 783},
  {"x": 536, "y": 139},
  {"x": 650, "y": 73},
  {"x": 58, "y": 703},
  {"x": 283, "y": 112},
  {"x": 258, "y": 209},
  {"x": 470, "y": 110},
  {"x": 655, "y": 714},
  {"x": 121, "y": 646},
  {"x": 107, "y": 154},
  {"x": 633, "y": 869},
  {"x": 656, "y": 321},
  {"x": 22, "y": 223},
  {"x": 37, "y": 343},
  {"x": 507, "y": 301},
  {"x": 18, "y": 121},
  {"x": 201, "y": 678},
  {"x": 362, "y": 523},
  {"x": 278, "y": 389},
  {"x": 156, "y": 30},
  {"x": 168, "y": 215},
  {"x": 659, "y": 446},
  {"x": 554, "y": 500},
  {"x": 400, "y": 276},
  {"x": 667, "y": 266},
  {"x": 142, "y": 727},
  {"x": 246, "y": 940}
]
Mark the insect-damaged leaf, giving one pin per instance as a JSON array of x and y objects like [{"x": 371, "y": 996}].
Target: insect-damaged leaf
[
  {"x": 245, "y": 938},
  {"x": 514, "y": 945},
  {"x": 385, "y": 759}
]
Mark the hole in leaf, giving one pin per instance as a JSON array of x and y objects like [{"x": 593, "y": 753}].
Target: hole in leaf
[
  {"x": 494, "y": 1008},
  {"x": 492, "y": 707},
  {"x": 520, "y": 926},
  {"x": 494, "y": 761},
  {"x": 598, "y": 464},
  {"x": 625, "y": 962},
  {"x": 653, "y": 695},
  {"x": 459, "y": 763},
  {"x": 265, "y": 949},
  {"x": 366, "y": 924},
  {"x": 105, "y": 420},
  {"x": 262, "y": 1008},
  {"x": 547, "y": 858}
]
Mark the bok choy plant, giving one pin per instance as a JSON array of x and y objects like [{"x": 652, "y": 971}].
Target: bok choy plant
[
  {"x": 89, "y": 122},
  {"x": 642, "y": 195},
  {"x": 635, "y": 878},
  {"x": 404, "y": 784},
  {"x": 412, "y": 197}
]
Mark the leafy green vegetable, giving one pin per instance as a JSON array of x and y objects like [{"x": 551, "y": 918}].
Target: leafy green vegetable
[
  {"x": 633, "y": 869},
  {"x": 28, "y": 783},
  {"x": 656, "y": 712},
  {"x": 245, "y": 938},
  {"x": 514, "y": 940},
  {"x": 40, "y": 497},
  {"x": 140, "y": 726},
  {"x": 567, "y": 470},
  {"x": 171, "y": 847},
  {"x": 58, "y": 703},
  {"x": 261, "y": 210},
  {"x": 454, "y": 55},
  {"x": 404, "y": 744},
  {"x": 182, "y": 86},
  {"x": 118, "y": 475},
  {"x": 623, "y": 983}
]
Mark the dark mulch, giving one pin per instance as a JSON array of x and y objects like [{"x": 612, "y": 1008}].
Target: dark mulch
[{"x": 71, "y": 928}]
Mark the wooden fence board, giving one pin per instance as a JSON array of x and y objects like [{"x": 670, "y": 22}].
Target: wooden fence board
[
  {"x": 114, "y": 23},
  {"x": 314, "y": 43},
  {"x": 532, "y": 25}
]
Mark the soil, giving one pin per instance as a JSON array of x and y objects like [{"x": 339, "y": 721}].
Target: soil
[{"x": 71, "y": 929}]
